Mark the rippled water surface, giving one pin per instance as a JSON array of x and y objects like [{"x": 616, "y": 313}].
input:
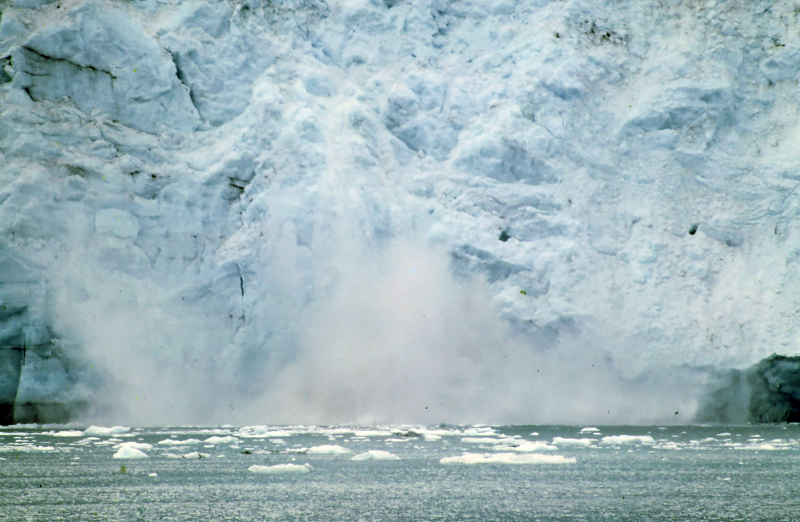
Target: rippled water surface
[{"x": 400, "y": 473}]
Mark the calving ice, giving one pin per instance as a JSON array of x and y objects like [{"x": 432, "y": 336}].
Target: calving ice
[{"x": 374, "y": 211}]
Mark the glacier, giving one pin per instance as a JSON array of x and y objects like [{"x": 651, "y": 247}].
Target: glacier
[{"x": 318, "y": 211}]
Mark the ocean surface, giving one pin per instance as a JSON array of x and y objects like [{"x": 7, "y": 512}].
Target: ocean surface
[{"x": 442, "y": 473}]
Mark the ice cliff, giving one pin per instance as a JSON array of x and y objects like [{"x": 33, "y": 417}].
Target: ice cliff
[{"x": 393, "y": 210}]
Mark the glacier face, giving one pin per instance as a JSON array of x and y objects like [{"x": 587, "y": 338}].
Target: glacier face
[{"x": 391, "y": 211}]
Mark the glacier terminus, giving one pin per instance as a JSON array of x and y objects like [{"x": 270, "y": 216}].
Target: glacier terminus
[{"x": 372, "y": 211}]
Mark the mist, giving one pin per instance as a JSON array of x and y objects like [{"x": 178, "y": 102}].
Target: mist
[{"x": 396, "y": 338}]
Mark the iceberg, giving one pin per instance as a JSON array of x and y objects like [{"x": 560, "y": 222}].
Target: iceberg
[
  {"x": 127, "y": 452},
  {"x": 280, "y": 469}
]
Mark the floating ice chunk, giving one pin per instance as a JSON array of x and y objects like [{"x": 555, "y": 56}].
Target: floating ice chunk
[
  {"x": 328, "y": 449},
  {"x": 262, "y": 431},
  {"x": 98, "y": 431},
  {"x": 27, "y": 448},
  {"x": 281, "y": 468},
  {"x": 526, "y": 447},
  {"x": 69, "y": 433},
  {"x": 129, "y": 453},
  {"x": 171, "y": 442},
  {"x": 373, "y": 433},
  {"x": 590, "y": 429},
  {"x": 152, "y": 475},
  {"x": 507, "y": 458},
  {"x": 222, "y": 440},
  {"x": 723, "y": 434},
  {"x": 488, "y": 440},
  {"x": 628, "y": 439},
  {"x": 430, "y": 437},
  {"x": 135, "y": 445},
  {"x": 480, "y": 431},
  {"x": 559, "y": 441},
  {"x": 375, "y": 455},
  {"x": 196, "y": 455}
]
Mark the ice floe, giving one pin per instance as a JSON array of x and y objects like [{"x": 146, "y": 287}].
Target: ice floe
[
  {"x": 507, "y": 458},
  {"x": 171, "y": 442},
  {"x": 129, "y": 453},
  {"x": 375, "y": 455},
  {"x": 98, "y": 431},
  {"x": 328, "y": 449},
  {"x": 142, "y": 446},
  {"x": 280, "y": 468},
  {"x": 627, "y": 439},
  {"x": 560, "y": 441},
  {"x": 525, "y": 447},
  {"x": 222, "y": 440}
]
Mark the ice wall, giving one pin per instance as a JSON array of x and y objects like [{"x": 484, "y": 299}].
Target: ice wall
[{"x": 215, "y": 210}]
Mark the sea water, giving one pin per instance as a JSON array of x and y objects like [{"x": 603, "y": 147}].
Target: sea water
[{"x": 442, "y": 473}]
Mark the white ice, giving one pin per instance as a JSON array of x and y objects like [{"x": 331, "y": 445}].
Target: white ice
[
  {"x": 507, "y": 458},
  {"x": 526, "y": 447},
  {"x": 135, "y": 445},
  {"x": 127, "y": 452},
  {"x": 560, "y": 441},
  {"x": 173, "y": 442},
  {"x": 375, "y": 455},
  {"x": 98, "y": 431},
  {"x": 337, "y": 211},
  {"x": 222, "y": 440},
  {"x": 328, "y": 449},
  {"x": 281, "y": 468},
  {"x": 627, "y": 439}
]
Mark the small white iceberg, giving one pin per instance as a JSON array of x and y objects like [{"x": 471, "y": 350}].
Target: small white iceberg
[
  {"x": 98, "y": 431},
  {"x": 526, "y": 447},
  {"x": 170, "y": 442},
  {"x": 627, "y": 439},
  {"x": 280, "y": 468},
  {"x": 141, "y": 446},
  {"x": 507, "y": 458},
  {"x": 221, "y": 440},
  {"x": 69, "y": 433},
  {"x": 196, "y": 455},
  {"x": 488, "y": 440},
  {"x": 328, "y": 449},
  {"x": 559, "y": 441},
  {"x": 375, "y": 455},
  {"x": 126, "y": 452}
]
